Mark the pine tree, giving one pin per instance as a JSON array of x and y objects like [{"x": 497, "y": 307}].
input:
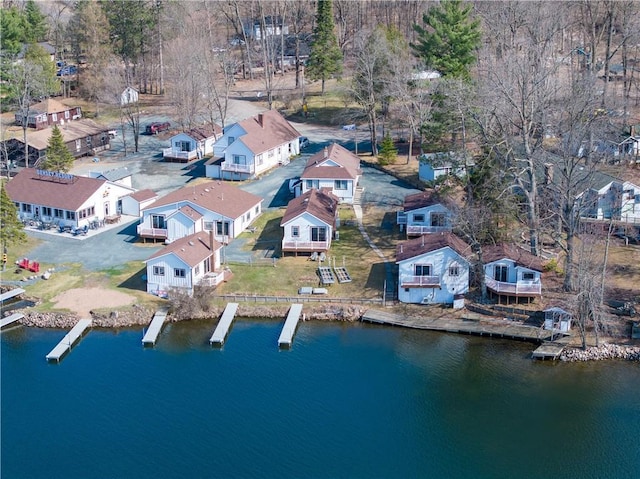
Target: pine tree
[
  {"x": 325, "y": 57},
  {"x": 36, "y": 22},
  {"x": 11, "y": 229},
  {"x": 450, "y": 39},
  {"x": 59, "y": 158},
  {"x": 388, "y": 151}
]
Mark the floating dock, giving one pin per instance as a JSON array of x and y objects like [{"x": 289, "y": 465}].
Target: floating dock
[
  {"x": 289, "y": 328},
  {"x": 548, "y": 351},
  {"x": 224, "y": 324},
  {"x": 151, "y": 336},
  {"x": 68, "y": 341},
  {"x": 11, "y": 294},
  {"x": 11, "y": 319}
]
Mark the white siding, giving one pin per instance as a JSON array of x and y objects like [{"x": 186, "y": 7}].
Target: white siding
[
  {"x": 164, "y": 283},
  {"x": 345, "y": 196}
]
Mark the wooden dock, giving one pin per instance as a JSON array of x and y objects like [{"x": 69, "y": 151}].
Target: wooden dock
[
  {"x": 151, "y": 336},
  {"x": 548, "y": 350},
  {"x": 289, "y": 328},
  {"x": 69, "y": 340},
  {"x": 10, "y": 319},
  {"x": 492, "y": 328},
  {"x": 11, "y": 294},
  {"x": 224, "y": 324}
]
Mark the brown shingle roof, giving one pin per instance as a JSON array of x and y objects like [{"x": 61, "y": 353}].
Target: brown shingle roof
[
  {"x": 420, "y": 200},
  {"x": 510, "y": 251},
  {"x": 28, "y": 187},
  {"x": 50, "y": 106},
  {"x": 192, "y": 249},
  {"x": 143, "y": 195},
  {"x": 205, "y": 131},
  {"x": 216, "y": 196},
  {"x": 266, "y": 131},
  {"x": 190, "y": 212},
  {"x": 322, "y": 205},
  {"x": 316, "y": 165},
  {"x": 73, "y": 130},
  {"x": 432, "y": 242}
]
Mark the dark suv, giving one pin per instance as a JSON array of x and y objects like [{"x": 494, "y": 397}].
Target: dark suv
[{"x": 155, "y": 128}]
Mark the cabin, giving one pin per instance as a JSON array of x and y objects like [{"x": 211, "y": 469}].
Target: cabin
[
  {"x": 211, "y": 206},
  {"x": 512, "y": 273},
  {"x": 334, "y": 168},
  {"x": 434, "y": 166},
  {"x": 82, "y": 138},
  {"x": 134, "y": 203},
  {"x": 193, "y": 144},
  {"x": 433, "y": 269},
  {"x": 184, "y": 264},
  {"x": 47, "y": 113},
  {"x": 309, "y": 223},
  {"x": 253, "y": 146},
  {"x": 611, "y": 199},
  {"x": 424, "y": 213},
  {"x": 63, "y": 199}
]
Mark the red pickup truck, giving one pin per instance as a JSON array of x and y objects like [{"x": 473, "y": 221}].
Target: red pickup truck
[{"x": 155, "y": 128}]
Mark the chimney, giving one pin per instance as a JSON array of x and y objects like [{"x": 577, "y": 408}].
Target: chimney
[
  {"x": 400, "y": 247},
  {"x": 261, "y": 120},
  {"x": 548, "y": 173},
  {"x": 211, "y": 241},
  {"x": 422, "y": 237},
  {"x": 326, "y": 152}
]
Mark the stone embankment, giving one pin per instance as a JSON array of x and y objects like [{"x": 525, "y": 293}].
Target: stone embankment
[
  {"x": 141, "y": 316},
  {"x": 606, "y": 351}
]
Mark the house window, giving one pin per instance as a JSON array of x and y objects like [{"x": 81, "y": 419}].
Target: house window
[
  {"x": 158, "y": 270},
  {"x": 71, "y": 215},
  {"x": 340, "y": 185},
  {"x": 222, "y": 228},
  {"x": 270, "y": 153},
  {"x": 46, "y": 211},
  {"x": 231, "y": 140},
  {"x": 183, "y": 145},
  {"x": 454, "y": 269},
  {"x": 54, "y": 117},
  {"x": 313, "y": 184},
  {"x": 528, "y": 276},
  {"x": 500, "y": 272},
  {"x": 88, "y": 142},
  {"x": 318, "y": 233},
  {"x": 295, "y": 231},
  {"x": 248, "y": 216},
  {"x": 196, "y": 270},
  {"x": 208, "y": 225},
  {"x": 239, "y": 160},
  {"x": 58, "y": 213},
  {"x": 418, "y": 218},
  {"x": 422, "y": 269},
  {"x": 78, "y": 145},
  {"x": 207, "y": 265},
  {"x": 257, "y": 210},
  {"x": 438, "y": 219},
  {"x": 26, "y": 208},
  {"x": 259, "y": 159},
  {"x": 637, "y": 198},
  {"x": 179, "y": 272},
  {"x": 158, "y": 221}
]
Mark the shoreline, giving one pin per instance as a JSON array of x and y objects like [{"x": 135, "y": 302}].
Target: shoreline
[{"x": 141, "y": 316}]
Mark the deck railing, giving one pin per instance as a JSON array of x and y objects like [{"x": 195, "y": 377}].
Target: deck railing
[
  {"x": 229, "y": 166},
  {"x": 518, "y": 288},
  {"x": 413, "y": 230},
  {"x": 152, "y": 232},
  {"x": 305, "y": 245},
  {"x": 181, "y": 155},
  {"x": 407, "y": 281}
]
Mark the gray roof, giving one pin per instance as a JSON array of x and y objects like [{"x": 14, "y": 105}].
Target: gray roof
[{"x": 115, "y": 175}]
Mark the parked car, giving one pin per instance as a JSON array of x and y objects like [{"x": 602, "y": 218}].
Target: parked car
[
  {"x": 304, "y": 142},
  {"x": 157, "y": 127},
  {"x": 112, "y": 133},
  {"x": 67, "y": 70}
]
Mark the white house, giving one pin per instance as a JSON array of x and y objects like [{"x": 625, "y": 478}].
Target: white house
[
  {"x": 253, "y": 146},
  {"x": 134, "y": 203},
  {"x": 433, "y": 269},
  {"x": 335, "y": 168},
  {"x": 435, "y": 165},
  {"x": 611, "y": 199},
  {"x": 212, "y": 206},
  {"x": 188, "y": 262},
  {"x": 63, "y": 199},
  {"x": 128, "y": 95},
  {"x": 309, "y": 222},
  {"x": 424, "y": 213},
  {"x": 512, "y": 272},
  {"x": 193, "y": 144}
]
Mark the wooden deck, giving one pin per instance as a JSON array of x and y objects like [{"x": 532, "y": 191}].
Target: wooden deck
[
  {"x": 4, "y": 322},
  {"x": 224, "y": 324},
  {"x": 289, "y": 328},
  {"x": 151, "y": 336},
  {"x": 68, "y": 341},
  {"x": 468, "y": 325},
  {"x": 548, "y": 350}
]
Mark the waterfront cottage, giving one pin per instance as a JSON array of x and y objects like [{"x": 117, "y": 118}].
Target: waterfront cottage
[
  {"x": 253, "y": 146},
  {"x": 212, "y": 206},
  {"x": 611, "y": 198},
  {"x": 512, "y": 272},
  {"x": 187, "y": 262},
  {"x": 433, "y": 269},
  {"x": 424, "y": 213},
  {"x": 335, "y": 168},
  {"x": 47, "y": 113},
  {"x": 193, "y": 144},
  {"x": 62, "y": 199},
  {"x": 309, "y": 222}
]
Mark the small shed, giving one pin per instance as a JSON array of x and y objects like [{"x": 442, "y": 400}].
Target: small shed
[
  {"x": 557, "y": 319},
  {"x": 128, "y": 95}
]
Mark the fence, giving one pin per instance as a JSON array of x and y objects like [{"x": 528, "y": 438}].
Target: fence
[{"x": 295, "y": 299}]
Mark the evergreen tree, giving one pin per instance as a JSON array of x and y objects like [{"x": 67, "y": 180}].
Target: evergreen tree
[
  {"x": 448, "y": 42},
  {"x": 36, "y": 23},
  {"x": 12, "y": 28},
  {"x": 325, "y": 57},
  {"x": 11, "y": 229},
  {"x": 59, "y": 158},
  {"x": 388, "y": 151}
]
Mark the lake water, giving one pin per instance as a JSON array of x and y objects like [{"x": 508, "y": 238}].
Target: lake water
[{"x": 348, "y": 400}]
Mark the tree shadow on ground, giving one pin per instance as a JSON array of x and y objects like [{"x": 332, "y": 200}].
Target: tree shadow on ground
[
  {"x": 377, "y": 277},
  {"x": 269, "y": 240}
]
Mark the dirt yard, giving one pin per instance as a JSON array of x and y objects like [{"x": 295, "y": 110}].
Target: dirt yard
[{"x": 82, "y": 300}]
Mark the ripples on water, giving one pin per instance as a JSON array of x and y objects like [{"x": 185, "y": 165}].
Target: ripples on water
[{"x": 348, "y": 400}]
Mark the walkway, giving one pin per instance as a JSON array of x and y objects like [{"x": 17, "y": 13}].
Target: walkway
[{"x": 69, "y": 340}]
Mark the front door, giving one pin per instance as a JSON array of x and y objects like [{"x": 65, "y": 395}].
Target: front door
[
  {"x": 106, "y": 209},
  {"x": 500, "y": 273}
]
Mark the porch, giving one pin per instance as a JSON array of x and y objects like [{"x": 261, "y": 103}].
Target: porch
[
  {"x": 305, "y": 246},
  {"x": 214, "y": 278},
  {"x": 422, "y": 230},
  {"x": 237, "y": 168},
  {"x": 519, "y": 289},
  {"x": 152, "y": 233},
  {"x": 407, "y": 281},
  {"x": 169, "y": 154}
]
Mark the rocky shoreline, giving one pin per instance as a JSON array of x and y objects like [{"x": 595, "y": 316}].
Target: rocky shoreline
[{"x": 605, "y": 351}]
